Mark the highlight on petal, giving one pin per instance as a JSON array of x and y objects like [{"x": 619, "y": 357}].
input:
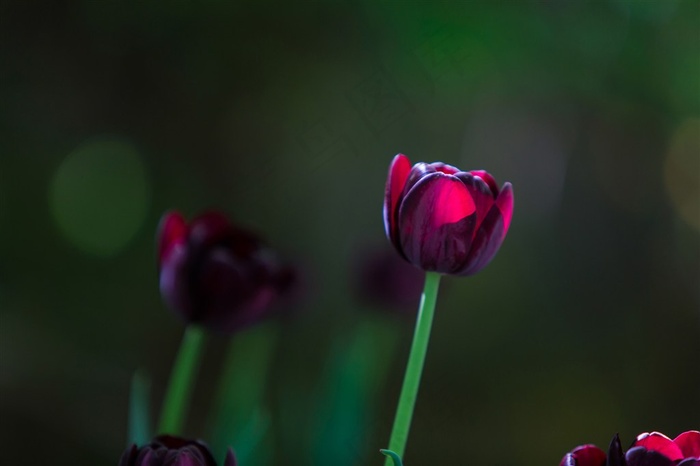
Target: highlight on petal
[
  {"x": 398, "y": 174},
  {"x": 689, "y": 443},
  {"x": 436, "y": 223},
  {"x": 444, "y": 168},
  {"x": 481, "y": 194},
  {"x": 658, "y": 442},
  {"x": 172, "y": 230}
]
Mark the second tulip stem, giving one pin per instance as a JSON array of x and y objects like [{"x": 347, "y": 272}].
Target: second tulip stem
[
  {"x": 414, "y": 369},
  {"x": 179, "y": 391}
]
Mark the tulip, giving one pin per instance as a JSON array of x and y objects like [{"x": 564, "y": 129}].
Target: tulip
[
  {"x": 584, "y": 455},
  {"x": 215, "y": 274},
  {"x": 649, "y": 449},
  {"x": 167, "y": 450},
  {"x": 445, "y": 220},
  {"x": 384, "y": 280}
]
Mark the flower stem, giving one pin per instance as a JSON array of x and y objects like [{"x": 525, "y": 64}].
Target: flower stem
[
  {"x": 239, "y": 409},
  {"x": 177, "y": 396},
  {"x": 414, "y": 369}
]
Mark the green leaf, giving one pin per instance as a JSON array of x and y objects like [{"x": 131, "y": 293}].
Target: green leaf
[
  {"x": 139, "y": 409},
  {"x": 393, "y": 456}
]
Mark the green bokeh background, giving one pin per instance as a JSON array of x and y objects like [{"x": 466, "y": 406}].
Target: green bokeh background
[{"x": 286, "y": 115}]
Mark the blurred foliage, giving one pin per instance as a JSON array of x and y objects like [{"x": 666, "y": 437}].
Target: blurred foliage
[{"x": 286, "y": 115}]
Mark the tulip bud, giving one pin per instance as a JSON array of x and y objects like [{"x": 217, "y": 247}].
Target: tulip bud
[
  {"x": 445, "y": 220},
  {"x": 166, "y": 450},
  {"x": 649, "y": 449},
  {"x": 215, "y": 274}
]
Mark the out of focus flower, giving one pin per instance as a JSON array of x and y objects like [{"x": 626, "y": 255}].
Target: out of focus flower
[
  {"x": 584, "y": 455},
  {"x": 384, "y": 280},
  {"x": 649, "y": 449},
  {"x": 445, "y": 220},
  {"x": 166, "y": 450},
  {"x": 215, "y": 274}
]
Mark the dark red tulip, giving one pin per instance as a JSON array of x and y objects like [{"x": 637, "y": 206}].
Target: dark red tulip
[
  {"x": 649, "y": 449},
  {"x": 386, "y": 281},
  {"x": 585, "y": 455},
  {"x": 216, "y": 274},
  {"x": 656, "y": 449},
  {"x": 445, "y": 220},
  {"x": 166, "y": 450}
]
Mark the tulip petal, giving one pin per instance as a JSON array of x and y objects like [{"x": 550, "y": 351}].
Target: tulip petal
[
  {"x": 584, "y": 455},
  {"x": 480, "y": 192},
  {"x": 488, "y": 179},
  {"x": 689, "y": 443},
  {"x": 172, "y": 230},
  {"x": 487, "y": 240},
  {"x": 208, "y": 230},
  {"x": 129, "y": 456},
  {"x": 417, "y": 173},
  {"x": 640, "y": 456},
  {"x": 230, "y": 458},
  {"x": 616, "y": 457},
  {"x": 568, "y": 460},
  {"x": 658, "y": 442},
  {"x": 231, "y": 296},
  {"x": 505, "y": 205},
  {"x": 174, "y": 282},
  {"x": 436, "y": 223},
  {"x": 444, "y": 168},
  {"x": 398, "y": 174}
]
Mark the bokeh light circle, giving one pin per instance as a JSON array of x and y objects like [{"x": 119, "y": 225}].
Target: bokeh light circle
[{"x": 100, "y": 195}]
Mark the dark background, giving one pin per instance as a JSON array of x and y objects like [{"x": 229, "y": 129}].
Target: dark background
[{"x": 286, "y": 116}]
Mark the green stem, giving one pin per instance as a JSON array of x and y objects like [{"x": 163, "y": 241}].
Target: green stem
[
  {"x": 414, "y": 369},
  {"x": 239, "y": 409},
  {"x": 177, "y": 396}
]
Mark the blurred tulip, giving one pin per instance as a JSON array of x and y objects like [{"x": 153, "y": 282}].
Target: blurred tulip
[
  {"x": 386, "y": 281},
  {"x": 445, "y": 220},
  {"x": 649, "y": 449},
  {"x": 215, "y": 274},
  {"x": 166, "y": 450},
  {"x": 585, "y": 455}
]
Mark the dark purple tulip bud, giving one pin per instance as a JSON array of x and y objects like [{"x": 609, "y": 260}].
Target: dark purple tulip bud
[
  {"x": 166, "y": 450},
  {"x": 616, "y": 457},
  {"x": 215, "y": 274},
  {"x": 385, "y": 280},
  {"x": 445, "y": 220},
  {"x": 584, "y": 455}
]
